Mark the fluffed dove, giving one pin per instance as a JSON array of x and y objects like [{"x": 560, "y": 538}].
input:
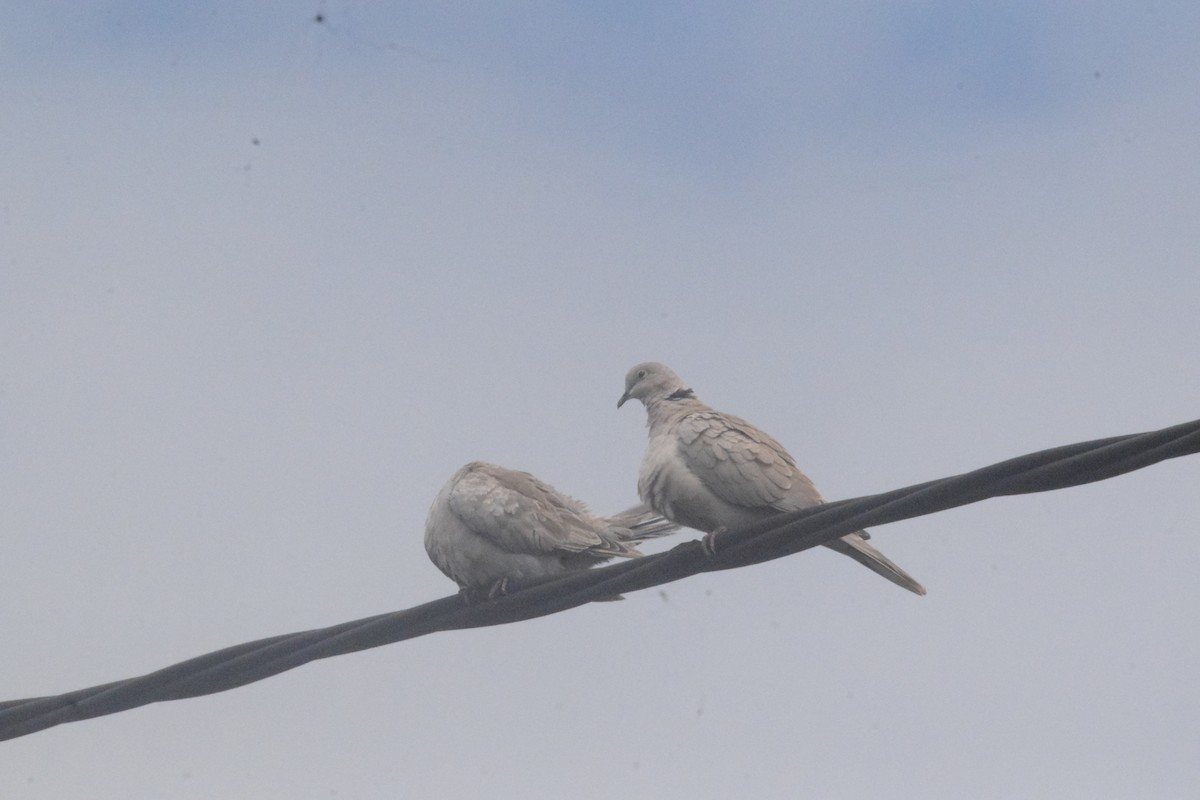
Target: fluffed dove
[
  {"x": 490, "y": 524},
  {"x": 713, "y": 471}
]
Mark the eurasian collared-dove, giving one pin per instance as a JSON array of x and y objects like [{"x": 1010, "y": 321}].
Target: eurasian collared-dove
[
  {"x": 714, "y": 471},
  {"x": 490, "y": 524}
]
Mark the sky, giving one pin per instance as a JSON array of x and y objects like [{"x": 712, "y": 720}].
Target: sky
[{"x": 271, "y": 272}]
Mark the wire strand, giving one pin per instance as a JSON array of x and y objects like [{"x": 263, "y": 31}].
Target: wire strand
[{"x": 785, "y": 534}]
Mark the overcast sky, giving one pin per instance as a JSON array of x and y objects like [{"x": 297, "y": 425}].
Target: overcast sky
[{"x": 271, "y": 272}]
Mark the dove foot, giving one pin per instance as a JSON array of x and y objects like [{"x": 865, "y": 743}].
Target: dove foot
[
  {"x": 708, "y": 542},
  {"x": 473, "y": 595}
]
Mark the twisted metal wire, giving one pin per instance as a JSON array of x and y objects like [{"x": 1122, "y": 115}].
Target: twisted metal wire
[{"x": 783, "y": 535}]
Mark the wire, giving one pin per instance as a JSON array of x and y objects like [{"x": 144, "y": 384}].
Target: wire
[{"x": 779, "y": 536}]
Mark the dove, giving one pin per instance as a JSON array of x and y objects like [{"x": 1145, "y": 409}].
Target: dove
[
  {"x": 713, "y": 471},
  {"x": 490, "y": 524}
]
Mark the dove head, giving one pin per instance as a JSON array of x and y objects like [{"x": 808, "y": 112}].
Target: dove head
[{"x": 652, "y": 383}]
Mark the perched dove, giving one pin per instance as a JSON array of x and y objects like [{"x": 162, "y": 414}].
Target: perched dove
[
  {"x": 714, "y": 471},
  {"x": 489, "y": 524}
]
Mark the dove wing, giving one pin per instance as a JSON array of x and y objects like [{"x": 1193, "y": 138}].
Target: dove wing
[
  {"x": 521, "y": 514},
  {"x": 742, "y": 465}
]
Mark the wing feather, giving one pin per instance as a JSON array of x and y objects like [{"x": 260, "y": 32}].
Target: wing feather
[
  {"x": 521, "y": 514},
  {"x": 742, "y": 465}
]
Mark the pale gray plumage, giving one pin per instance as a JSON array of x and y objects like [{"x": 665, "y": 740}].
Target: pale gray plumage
[
  {"x": 713, "y": 471},
  {"x": 490, "y": 524}
]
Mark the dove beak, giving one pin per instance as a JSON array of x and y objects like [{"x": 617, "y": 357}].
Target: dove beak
[{"x": 624, "y": 397}]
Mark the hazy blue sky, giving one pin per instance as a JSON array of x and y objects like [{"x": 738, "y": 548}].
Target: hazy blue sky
[{"x": 266, "y": 282}]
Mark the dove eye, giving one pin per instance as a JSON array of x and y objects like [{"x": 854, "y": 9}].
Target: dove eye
[{"x": 641, "y": 374}]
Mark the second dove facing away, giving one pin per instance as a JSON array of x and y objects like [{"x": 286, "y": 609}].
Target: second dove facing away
[
  {"x": 713, "y": 471},
  {"x": 490, "y": 524}
]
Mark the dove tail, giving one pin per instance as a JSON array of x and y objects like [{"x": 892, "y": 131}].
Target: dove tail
[
  {"x": 640, "y": 523},
  {"x": 857, "y": 548}
]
